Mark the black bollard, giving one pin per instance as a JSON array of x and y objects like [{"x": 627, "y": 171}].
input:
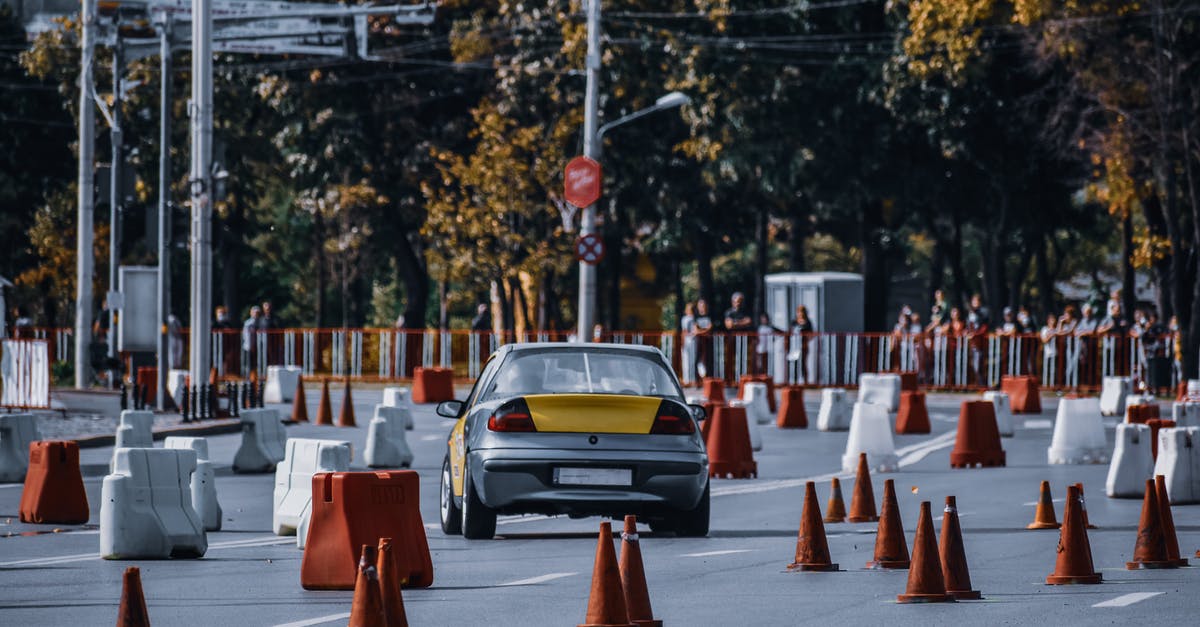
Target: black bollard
[
  {"x": 124, "y": 399},
  {"x": 262, "y": 395},
  {"x": 194, "y": 405},
  {"x": 233, "y": 400},
  {"x": 215, "y": 402},
  {"x": 184, "y": 404}
]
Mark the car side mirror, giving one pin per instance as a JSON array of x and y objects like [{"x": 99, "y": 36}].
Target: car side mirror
[
  {"x": 449, "y": 409},
  {"x": 698, "y": 412}
]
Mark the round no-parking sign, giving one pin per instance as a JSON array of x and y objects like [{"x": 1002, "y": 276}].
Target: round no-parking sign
[{"x": 589, "y": 249}]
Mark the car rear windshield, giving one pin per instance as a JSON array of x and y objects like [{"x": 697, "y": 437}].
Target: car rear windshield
[{"x": 582, "y": 372}]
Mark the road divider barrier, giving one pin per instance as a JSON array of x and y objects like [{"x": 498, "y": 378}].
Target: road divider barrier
[
  {"x": 1157, "y": 424},
  {"x": 387, "y": 445},
  {"x": 713, "y": 389},
  {"x": 978, "y": 437},
  {"x": 633, "y": 577},
  {"x": 292, "y": 498},
  {"x": 17, "y": 431},
  {"x": 134, "y": 430},
  {"x": 834, "y": 414},
  {"x": 766, "y": 380},
  {"x": 862, "y": 500},
  {"x": 955, "y": 571},
  {"x": 913, "y": 416},
  {"x": 1186, "y": 413},
  {"x": 432, "y": 385},
  {"x": 792, "y": 414},
  {"x": 53, "y": 491},
  {"x": 870, "y": 433},
  {"x": 1024, "y": 393},
  {"x": 752, "y": 428},
  {"x": 1177, "y": 462},
  {"x": 754, "y": 395},
  {"x": 1003, "y": 410},
  {"x": 263, "y": 441},
  {"x": 812, "y": 548},
  {"x": 730, "y": 453},
  {"x": 398, "y": 397},
  {"x": 350, "y": 509},
  {"x": 926, "y": 583},
  {"x": 282, "y": 382},
  {"x": 880, "y": 389},
  {"x": 1044, "y": 517},
  {"x": 146, "y": 506},
  {"x": 1113, "y": 393},
  {"x": 1150, "y": 547},
  {"x": 891, "y": 549},
  {"x": 1074, "y": 565},
  {"x": 1142, "y": 412},
  {"x": 1168, "y": 521},
  {"x": 1078, "y": 433},
  {"x": 203, "y": 482},
  {"x": 1131, "y": 462}
]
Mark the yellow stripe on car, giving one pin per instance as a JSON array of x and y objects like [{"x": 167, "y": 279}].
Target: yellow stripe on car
[{"x": 592, "y": 413}]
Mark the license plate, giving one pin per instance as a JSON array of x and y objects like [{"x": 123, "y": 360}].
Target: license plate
[{"x": 593, "y": 476}]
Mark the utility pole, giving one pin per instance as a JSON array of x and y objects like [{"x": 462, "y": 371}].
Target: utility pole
[
  {"x": 591, "y": 148},
  {"x": 164, "y": 210},
  {"x": 201, "y": 112},
  {"x": 114, "y": 194},
  {"x": 87, "y": 198}
]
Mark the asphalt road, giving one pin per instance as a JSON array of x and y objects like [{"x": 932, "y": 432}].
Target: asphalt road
[{"x": 538, "y": 570}]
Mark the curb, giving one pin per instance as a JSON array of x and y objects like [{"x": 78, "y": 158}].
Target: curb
[{"x": 97, "y": 441}]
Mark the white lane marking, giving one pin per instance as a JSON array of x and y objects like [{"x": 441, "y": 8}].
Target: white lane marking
[
  {"x": 713, "y": 553},
  {"x": 1032, "y": 503},
  {"x": 316, "y": 621},
  {"x": 911, "y": 454},
  {"x": 432, "y": 437},
  {"x": 536, "y": 580},
  {"x": 83, "y": 557},
  {"x": 508, "y": 520},
  {"x": 1039, "y": 423},
  {"x": 1127, "y": 599}
]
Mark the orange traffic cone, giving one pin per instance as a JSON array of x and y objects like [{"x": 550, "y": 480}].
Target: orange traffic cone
[
  {"x": 389, "y": 586},
  {"x": 714, "y": 389},
  {"x": 633, "y": 578},
  {"x": 1074, "y": 563},
  {"x": 606, "y": 603},
  {"x": 1083, "y": 503},
  {"x": 862, "y": 501},
  {"x": 346, "y": 413},
  {"x": 132, "y": 611},
  {"x": 891, "y": 550},
  {"x": 1044, "y": 518},
  {"x": 925, "y": 582},
  {"x": 954, "y": 557},
  {"x": 1150, "y": 550},
  {"x": 299, "y": 404},
  {"x": 835, "y": 511},
  {"x": 1168, "y": 521},
  {"x": 324, "y": 409},
  {"x": 812, "y": 550},
  {"x": 366, "y": 610}
]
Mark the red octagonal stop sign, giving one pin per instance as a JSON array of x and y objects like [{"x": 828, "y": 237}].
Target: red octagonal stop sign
[{"x": 581, "y": 181}]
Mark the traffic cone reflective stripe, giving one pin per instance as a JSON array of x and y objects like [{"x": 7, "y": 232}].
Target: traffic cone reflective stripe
[
  {"x": 324, "y": 408},
  {"x": 390, "y": 595},
  {"x": 132, "y": 611},
  {"x": 862, "y": 502},
  {"x": 954, "y": 557},
  {"x": 891, "y": 549},
  {"x": 1074, "y": 562},
  {"x": 366, "y": 609},
  {"x": 925, "y": 582},
  {"x": 606, "y": 603},
  {"x": 1168, "y": 521},
  {"x": 812, "y": 549},
  {"x": 299, "y": 403},
  {"x": 835, "y": 511},
  {"x": 1150, "y": 550},
  {"x": 1044, "y": 518},
  {"x": 1083, "y": 505},
  {"x": 633, "y": 578},
  {"x": 346, "y": 413}
]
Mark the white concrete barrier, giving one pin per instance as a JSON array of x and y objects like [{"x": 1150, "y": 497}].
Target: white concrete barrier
[
  {"x": 1004, "y": 415},
  {"x": 880, "y": 389},
  {"x": 1132, "y": 463},
  {"x": 1179, "y": 463},
  {"x": 281, "y": 384},
  {"x": 135, "y": 430},
  {"x": 756, "y": 442},
  {"x": 176, "y": 380},
  {"x": 16, "y": 432},
  {"x": 146, "y": 506},
  {"x": 398, "y": 398},
  {"x": 1113, "y": 394},
  {"x": 1193, "y": 388},
  {"x": 293, "y": 479},
  {"x": 834, "y": 414},
  {"x": 870, "y": 433},
  {"x": 1140, "y": 399},
  {"x": 757, "y": 405},
  {"x": 1186, "y": 413},
  {"x": 203, "y": 481},
  {"x": 263, "y": 439},
  {"x": 387, "y": 446},
  {"x": 1078, "y": 433}
]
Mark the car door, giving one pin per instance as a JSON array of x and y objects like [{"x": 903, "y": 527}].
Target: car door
[{"x": 456, "y": 444}]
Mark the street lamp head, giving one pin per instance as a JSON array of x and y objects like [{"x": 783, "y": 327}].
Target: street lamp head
[{"x": 673, "y": 99}]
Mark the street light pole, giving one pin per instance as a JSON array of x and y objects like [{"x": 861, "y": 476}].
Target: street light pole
[
  {"x": 164, "y": 212},
  {"x": 87, "y": 198},
  {"x": 591, "y": 148},
  {"x": 200, "y": 183}
]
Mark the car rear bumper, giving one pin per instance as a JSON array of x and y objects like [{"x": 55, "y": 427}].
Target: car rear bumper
[{"x": 522, "y": 481}]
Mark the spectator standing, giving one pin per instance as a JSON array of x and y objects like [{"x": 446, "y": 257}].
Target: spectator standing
[
  {"x": 703, "y": 334},
  {"x": 802, "y": 330},
  {"x": 766, "y": 341},
  {"x": 250, "y": 340},
  {"x": 937, "y": 312},
  {"x": 223, "y": 328},
  {"x": 23, "y": 324},
  {"x": 1085, "y": 334},
  {"x": 483, "y": 318},
  {"x": 269, "y": 341},
  {"x": 1025, "y": 321},
  {"x": 1158, "y": 373},
  {"x": 1114, "y": 323},
  {"x": 983, "y": 316},
  {"x": 738, "y": 322},
  {"x": 1049, "y": 337},
  {"x": 481, "y": 328},
  {"x": 687, "y": 329},
  {"x": 977, "y": 329},
  {"x": 174, "y": 342}
]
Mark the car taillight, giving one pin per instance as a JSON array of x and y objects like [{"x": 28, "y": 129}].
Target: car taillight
[
  {"x": 512, "y": 416},
  {"x": 673, "y": 419}
]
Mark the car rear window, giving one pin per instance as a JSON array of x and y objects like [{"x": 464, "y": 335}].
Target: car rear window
[{"x": 582, "y": 372}]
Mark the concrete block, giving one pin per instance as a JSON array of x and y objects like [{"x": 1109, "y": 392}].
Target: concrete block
[
  {"x": 880, "y": 389},
  {"x": 17, "y": 431},
  {"x": 203, "y": 481},
  {"x": 387, "y": 446},
  {"x": 1186, "y": 413},
  {"x": 135, "y": 430},
  {"x": 281, "y": 384},
  {"x": 1113, "y": 394},
  {"x": 1078, "y": 433},
  {"x": 1004, "y": 415},
  {"x": 1132, "y": 464},
  {"x": 293, "y": 479},
  {"x": 758, "y": 406},
  {"x": 263, "y": 440},
  {"x": 146, "y": 506},
  {"x": 834, "y": 414},
  {"x": 871, "y": 433},
  {"x": 1179, "y": 463}
]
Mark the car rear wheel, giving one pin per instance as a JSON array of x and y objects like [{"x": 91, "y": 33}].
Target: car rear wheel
[
  {"x": 692, "y": 523},
  {"x": 478, "y": 520},
  {"x": 450, "y": 513}
]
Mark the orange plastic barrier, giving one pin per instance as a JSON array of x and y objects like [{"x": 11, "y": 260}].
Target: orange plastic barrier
[
  {"x": 791, "y": 409},
  {"x": 53, "y": 490},
  {"x": 1155, "y": 424},
  {"x": 433, "y": 385},
  {"x": 913, "y": 416},
  {"x": 758, "y": 378},
  {"x": 714, "y": 389},
  {"x": 1024, "y": 395},
  {"x": 1141, "y": 414},
  {"x": 908, "y": 380},
  {"x": 978, "y": 439},
  {"x": 350, "y": 509}
]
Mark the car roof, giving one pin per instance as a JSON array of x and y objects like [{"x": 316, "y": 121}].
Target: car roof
[{"x": 632, "y": 348}]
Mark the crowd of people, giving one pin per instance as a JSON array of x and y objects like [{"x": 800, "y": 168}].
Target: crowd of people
[{"x": 699, "y": 330}]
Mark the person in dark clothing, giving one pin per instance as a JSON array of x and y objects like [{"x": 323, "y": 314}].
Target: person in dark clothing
[
  {"x": 737, "y": 319},
  {"x": 483, "y": 318}
]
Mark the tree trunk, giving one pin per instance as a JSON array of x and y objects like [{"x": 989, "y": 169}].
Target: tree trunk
[
  {"x": 1018, "y": 279},
  {"x": 443, "y": 306},
  {"x": 758, "y": 298},
  {"x": 416, "y": 282},
  {"x": 319, "y": 246},
  {"x": 1045, "y": 281},
  {"x": 1128, "y": 285},
  {"x": 937, "y": 267},
  {"x": 612, "y": 251},
  {"x": 956, "y": 265},
  {"x": 874, "y": 268},
  {"x": 678, "y": 285},
  {"x": 702, "y": 241},
  {"x": 798, "y": 235}
]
